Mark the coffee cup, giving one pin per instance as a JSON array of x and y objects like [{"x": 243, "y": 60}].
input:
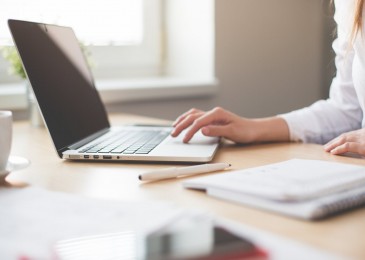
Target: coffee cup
[{"x": 6, "y": 128}]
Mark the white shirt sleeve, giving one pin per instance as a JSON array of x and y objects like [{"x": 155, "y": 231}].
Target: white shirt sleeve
[{"x": 341, "y": 112}]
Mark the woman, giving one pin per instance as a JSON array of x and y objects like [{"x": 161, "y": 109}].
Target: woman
[{"x": 337, "y": 122}]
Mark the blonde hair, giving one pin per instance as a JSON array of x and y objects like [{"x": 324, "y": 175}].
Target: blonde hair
[{"x": 357, "y": 26}]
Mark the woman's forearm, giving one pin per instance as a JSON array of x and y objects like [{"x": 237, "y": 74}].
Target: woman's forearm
[{"x": 273, "y": 129}]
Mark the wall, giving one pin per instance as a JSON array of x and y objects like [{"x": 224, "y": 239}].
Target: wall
[
  {"x": 271, "y": 57},
  {"x": 269, "y": 54}
]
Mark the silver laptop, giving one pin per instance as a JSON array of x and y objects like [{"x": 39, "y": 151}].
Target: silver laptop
[{"x": 74, "y": 113}]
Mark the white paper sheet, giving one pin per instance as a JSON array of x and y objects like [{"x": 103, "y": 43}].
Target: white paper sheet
[{"x": 33, "y": 220}]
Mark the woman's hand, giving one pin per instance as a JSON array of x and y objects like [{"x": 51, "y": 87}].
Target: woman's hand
[
  {"x": 222, "y": 123},
  {"x": 216, "y": 122},
  {"x": 351, "y": 142}
]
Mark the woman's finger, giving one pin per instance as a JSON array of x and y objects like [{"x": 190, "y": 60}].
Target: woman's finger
[
  {"x": 336, "y": 142},
  {"x": 349, "y": 147},
  {"x": 183, "y": 116},
  {"x": 211, "y": 117},
  {"x": 185, "y": 123}
]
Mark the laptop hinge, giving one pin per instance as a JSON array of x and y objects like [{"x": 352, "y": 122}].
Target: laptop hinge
[{"x": 84, "y": 141}]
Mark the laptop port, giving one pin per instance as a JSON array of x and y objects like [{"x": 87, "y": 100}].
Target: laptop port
[
  {"x": 86, "y": 156},
  {"x": 96, "y": 156},
  {"x": 107, "y": 157}
]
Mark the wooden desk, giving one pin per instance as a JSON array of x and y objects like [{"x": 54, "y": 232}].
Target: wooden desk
[{"x": 343, "y": 234}]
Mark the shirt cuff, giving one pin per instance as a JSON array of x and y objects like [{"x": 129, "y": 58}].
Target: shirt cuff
[{"x": 294, "y": 124}]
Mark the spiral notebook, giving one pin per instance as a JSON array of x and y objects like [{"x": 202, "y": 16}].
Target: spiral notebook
[{"x": 307, "y": 189}]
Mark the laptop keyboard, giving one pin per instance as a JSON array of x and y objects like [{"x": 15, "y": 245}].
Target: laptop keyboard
[{"x": 128, "y": 142}]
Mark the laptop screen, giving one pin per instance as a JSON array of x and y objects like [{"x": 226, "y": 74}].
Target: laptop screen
[{"x": 61, "y": 80}]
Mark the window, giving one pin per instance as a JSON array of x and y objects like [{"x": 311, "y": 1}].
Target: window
[
  {"x": 142, "y": 49},
  {"x": 123, "y": 27},
  {"x": 122, "y": 35}
]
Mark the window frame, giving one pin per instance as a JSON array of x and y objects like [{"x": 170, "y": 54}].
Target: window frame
[{"x": 143, "y": 60}]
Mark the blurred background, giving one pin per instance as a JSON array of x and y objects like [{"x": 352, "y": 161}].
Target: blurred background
[{"x": 161, "y": 57}]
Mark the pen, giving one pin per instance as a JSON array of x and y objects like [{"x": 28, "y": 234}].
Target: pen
[{"x": 182, "y": 171}]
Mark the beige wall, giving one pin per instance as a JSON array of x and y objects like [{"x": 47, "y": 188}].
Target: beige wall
[{"x": 271, "y": 57}]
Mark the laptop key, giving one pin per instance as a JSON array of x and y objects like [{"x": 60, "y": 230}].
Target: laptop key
[
  {"x": 143, "y": 152},
  {"x": 129, "y": 151},
  {"x": 92, "y": 150}
]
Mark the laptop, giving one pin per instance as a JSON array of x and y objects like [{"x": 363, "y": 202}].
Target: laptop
[{"x": 74, "y": 113}]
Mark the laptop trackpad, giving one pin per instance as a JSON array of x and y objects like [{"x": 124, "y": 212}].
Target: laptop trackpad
[{"x": 199, "y": 145}]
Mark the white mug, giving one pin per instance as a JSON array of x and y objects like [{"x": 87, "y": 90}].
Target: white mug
[{"x": 6, "y": 128}]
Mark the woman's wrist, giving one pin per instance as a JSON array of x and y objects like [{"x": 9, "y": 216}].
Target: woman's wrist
[{"x": 270, "y": 129}]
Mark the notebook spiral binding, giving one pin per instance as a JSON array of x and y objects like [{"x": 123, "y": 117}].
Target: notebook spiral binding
[{"x": 352, "y": 199}]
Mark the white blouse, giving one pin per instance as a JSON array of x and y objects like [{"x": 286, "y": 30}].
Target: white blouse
[{"x": 344, "y": 110}]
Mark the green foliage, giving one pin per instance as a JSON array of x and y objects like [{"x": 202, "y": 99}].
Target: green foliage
[
  {"x": 12, "y": 56},
  {"x": 16, "y": 68},
  {"x": 87, "y": 53}
]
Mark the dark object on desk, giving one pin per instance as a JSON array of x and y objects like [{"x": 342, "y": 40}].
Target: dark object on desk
[
  {"x": 221, "y": 245},
  {"x": 217, "y": 245}
]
